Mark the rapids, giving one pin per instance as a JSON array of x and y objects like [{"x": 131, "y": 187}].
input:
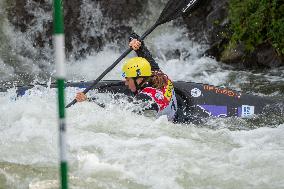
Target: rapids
[{"x": 112, "y": 147}]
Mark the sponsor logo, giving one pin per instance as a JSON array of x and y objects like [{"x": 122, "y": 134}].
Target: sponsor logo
[
  {"x": 223, "y": 91},
  {"x": 247, "y": 110},
  {"x": 195, "y": 92},
  {"x": 213, "y": 110},
  {"x": 169, "y": 90},
  {"x": 159, "y": 95},
  {"x": 188, "y": 5},
  {"x": 138, "y": 72}
]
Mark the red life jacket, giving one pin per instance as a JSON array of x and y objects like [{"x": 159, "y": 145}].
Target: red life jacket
[{"x": 164, "y": 98}]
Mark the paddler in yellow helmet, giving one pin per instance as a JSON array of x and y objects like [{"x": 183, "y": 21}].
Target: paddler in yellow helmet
[
  {"x": 145, "y": 79},
  {"x": 136, "y": 71}
]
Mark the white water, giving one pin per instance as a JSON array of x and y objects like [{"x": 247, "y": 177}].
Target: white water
[{"x": 114, "y": 148}]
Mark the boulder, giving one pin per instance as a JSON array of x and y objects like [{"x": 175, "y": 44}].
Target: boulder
[
  {"x": 120, "y": 11},
  {"x": 209, "y": 25},
  {"x": 267, "y": 56},
  {"x": 233, "y": 55},
  {"x": 264, "y": 56},
  {"x": 89, "y": 24}
]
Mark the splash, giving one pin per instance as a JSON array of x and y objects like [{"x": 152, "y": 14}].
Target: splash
[{"x": 113, "y": 147}]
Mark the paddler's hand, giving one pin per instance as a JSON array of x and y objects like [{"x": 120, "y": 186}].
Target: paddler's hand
[
  {"x": 80, "y": 97},
  {"x": 135, "y": 44}
]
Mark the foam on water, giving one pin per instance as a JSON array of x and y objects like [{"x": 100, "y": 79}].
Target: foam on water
[
  {"x": 188, "y": 66},
  {"x": 6, "y": 71},
  {"x": 93, "y": 66},
  {"x": 114, "y": 148}
]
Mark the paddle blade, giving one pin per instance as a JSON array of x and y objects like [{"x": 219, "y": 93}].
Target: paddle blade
[{"x": 175, "y": 8}]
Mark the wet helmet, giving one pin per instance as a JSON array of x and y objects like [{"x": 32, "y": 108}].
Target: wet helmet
[{"x": 136, "y": 67}]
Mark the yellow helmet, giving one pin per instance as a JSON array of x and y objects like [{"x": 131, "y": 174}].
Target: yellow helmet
[{"x": 136, "y": 67}]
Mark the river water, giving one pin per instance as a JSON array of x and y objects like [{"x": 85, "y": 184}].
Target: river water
[{"x": 112, "y": 147}]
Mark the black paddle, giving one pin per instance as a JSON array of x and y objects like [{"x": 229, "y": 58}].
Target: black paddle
[{"x": 173, "y": 10}]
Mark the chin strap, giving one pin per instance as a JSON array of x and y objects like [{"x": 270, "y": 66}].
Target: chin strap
[{"x": 138, "y": 86}]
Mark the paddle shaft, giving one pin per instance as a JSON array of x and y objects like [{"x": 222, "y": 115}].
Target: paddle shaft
[
  {"x": 172, "y": 10},
  {"x": 113, "y": 65}
]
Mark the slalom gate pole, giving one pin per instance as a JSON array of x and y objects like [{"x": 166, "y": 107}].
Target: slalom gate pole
[{"x": 58, "y": 26}]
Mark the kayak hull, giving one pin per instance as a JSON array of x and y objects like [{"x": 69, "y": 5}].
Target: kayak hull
[{"x": 195, "y": 100}]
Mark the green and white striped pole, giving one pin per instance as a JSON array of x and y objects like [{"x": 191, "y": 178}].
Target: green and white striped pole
[{"x": 61, "y": 74}]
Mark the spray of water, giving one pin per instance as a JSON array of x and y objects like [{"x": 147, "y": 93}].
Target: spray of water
[{"x": 113, "y": 147}]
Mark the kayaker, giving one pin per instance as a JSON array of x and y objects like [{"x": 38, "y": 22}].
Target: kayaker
[{"x": 145, "y": 79}]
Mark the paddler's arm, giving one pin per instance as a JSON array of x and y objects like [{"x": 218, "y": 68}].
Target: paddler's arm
[
  {"x": 81, "y": 97},
  {"x": 142, "y": 51}
]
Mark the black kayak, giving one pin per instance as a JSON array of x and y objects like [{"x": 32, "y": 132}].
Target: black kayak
[{"x": 195, "y": 100}]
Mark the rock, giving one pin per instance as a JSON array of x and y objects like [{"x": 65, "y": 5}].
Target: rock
[
  {"x": 267, "y": 56},
  {"x": 119, "y": 14},
  {"x": 209, "y": 24},
  {"x": 233, "y": 55},
  {"x": 263, "y": 56},
  {"x": 87, "y": 28},
  {"x": 122, "y": 10},
  {"x": 208, "y": 21},
  {"x": 22, "y": 15}
]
